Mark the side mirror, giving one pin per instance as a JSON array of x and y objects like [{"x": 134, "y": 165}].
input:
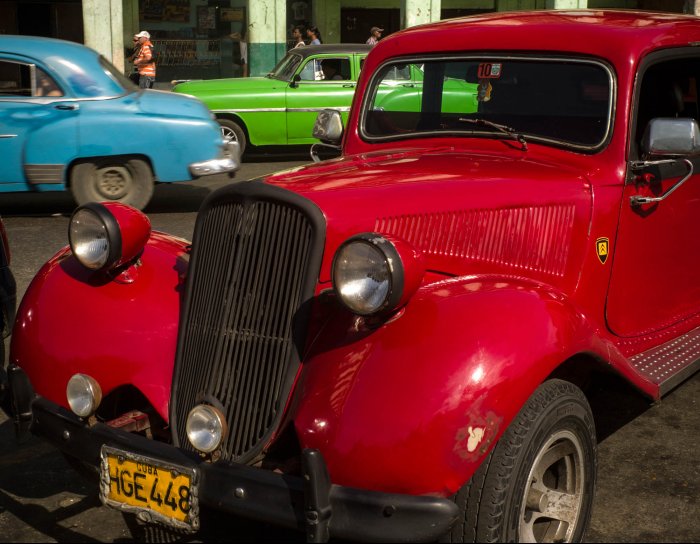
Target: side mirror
[
  {"x": 328, "y": 127},
  {"x": 295, "y": 81},
  {"x": 671, "y": 136}
]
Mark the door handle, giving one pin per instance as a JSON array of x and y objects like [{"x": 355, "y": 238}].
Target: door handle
[
  {"x": 348, "y": 86},
  {"x": 407, "y": 85},
  {"x": 66, "y": 106}
]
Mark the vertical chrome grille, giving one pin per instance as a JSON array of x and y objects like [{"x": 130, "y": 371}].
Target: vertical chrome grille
[{"x": 252, "y": 268}]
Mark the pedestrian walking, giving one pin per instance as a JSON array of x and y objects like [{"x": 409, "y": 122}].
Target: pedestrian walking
[
  {"x": 144, "y": 61},
  {"x": 314, "y": 35},
  {"x": 375, "y": 34},
  {"x": 136, "y": 47},
  {"x": 298, "y": 36}
]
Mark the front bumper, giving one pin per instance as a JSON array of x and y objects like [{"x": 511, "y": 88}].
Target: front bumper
[
  {"x": 229, "y": 162},
  {"x": 309, "y": 503}
]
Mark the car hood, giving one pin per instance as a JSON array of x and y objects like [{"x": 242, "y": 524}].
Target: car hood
[
  {"x": 515, "y": 212},
  {"x": 228, "y": 86},
  {"x": 169, "y": 104}
]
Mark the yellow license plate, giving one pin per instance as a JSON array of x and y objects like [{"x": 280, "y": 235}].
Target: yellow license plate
[{"x": 153, "y": 489}]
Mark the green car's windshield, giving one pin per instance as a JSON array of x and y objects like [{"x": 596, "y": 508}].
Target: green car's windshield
[
  {"x": 567, "y": 102},
  {"x": 286, "y": 67}
]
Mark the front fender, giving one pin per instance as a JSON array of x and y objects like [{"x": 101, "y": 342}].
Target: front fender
[
  {"x": 415, "y": 405},
  {"x": 120, "y": 331}
]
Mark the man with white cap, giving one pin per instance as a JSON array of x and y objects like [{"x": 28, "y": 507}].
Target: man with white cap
[
  {"x": 375, "y": 34},
  {"x": 144, "y": 61}
]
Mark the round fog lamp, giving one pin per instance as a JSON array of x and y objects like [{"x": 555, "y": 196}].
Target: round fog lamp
[
  {"x": 84, "y": 395},
  {"x": 206, "y": 428}
]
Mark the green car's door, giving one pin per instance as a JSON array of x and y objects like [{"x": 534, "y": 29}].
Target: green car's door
[{"x": 315, "y": 90}]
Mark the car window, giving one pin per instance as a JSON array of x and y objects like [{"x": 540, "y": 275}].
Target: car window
[
  {"x": 668, "y": 89},
  {"x": 399, "y": 73},
  {"x": 311, "y": 71},
  {"x": 286, "y": 67},
  {"x": 566, "y": 102},
  {"x": 337, "y": 69},
  {"x": 15, "y": 78},
  {"x": 46, "y": 85}
]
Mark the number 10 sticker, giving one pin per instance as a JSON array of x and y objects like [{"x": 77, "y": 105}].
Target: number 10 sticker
[{"x": 489, "y": 70}]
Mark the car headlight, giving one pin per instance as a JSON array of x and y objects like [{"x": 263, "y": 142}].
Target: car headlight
[
  {"x": 206, "y": 428},
  {"x": 105, "y": 236},
  {"x": 373, "y": 273},
  {"x": 84, "y": 395}
]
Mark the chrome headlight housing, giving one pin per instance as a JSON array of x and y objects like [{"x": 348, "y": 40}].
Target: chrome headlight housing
[
  {"x": 106, "y": 236},
  {"x": 370, "y": 273},
  {"x": 84, "y": 394},
  {"x": 94, "y": 236},
  {"x": 206, "y": 428}
]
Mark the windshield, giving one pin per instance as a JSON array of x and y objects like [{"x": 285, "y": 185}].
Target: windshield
[
  {"x": 565, "y": 102},
  {"x": 286, "y": 67}
]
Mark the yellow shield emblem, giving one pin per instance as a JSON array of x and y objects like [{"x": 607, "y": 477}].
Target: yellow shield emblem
[{"x": 602, "y": 249}]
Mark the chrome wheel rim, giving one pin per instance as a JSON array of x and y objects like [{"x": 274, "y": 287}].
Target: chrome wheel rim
[
  {"x": 551, "y": 504},
  {"x": 228, "y": 134},
  {"x": 113, "y": 182}
]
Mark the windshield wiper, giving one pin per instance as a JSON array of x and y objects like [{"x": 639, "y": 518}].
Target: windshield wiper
[{"x": 503, "y": 128}]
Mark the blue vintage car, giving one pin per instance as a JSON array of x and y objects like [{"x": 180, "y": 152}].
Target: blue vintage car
[{"x": 70, "y": 120}]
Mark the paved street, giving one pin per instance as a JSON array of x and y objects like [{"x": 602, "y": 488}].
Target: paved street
[{"x": 649, "y": 471}]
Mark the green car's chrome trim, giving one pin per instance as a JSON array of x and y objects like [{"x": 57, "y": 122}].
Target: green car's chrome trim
[
  {"x": 249, "y": 110},
  {"x": 287, "y": 110}
]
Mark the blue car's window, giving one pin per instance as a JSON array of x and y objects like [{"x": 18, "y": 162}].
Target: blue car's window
[
  {"x": 46, "y": 85},
  {"x": 93, "y": 77},
  {"x": 15, "y": 79},
  {"x": 561, "y": 101}
]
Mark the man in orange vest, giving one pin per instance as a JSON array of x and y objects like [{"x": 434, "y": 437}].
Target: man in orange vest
[{"x": 144, "y": 61}]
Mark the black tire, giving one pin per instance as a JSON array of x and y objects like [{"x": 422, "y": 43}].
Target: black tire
[
  {"x": 129, "y": 181},
  {"x": 232, "y": 130},
  {"x": 548, "y": 452}
]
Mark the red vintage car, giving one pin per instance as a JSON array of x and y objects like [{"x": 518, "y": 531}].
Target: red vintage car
[{"x": 396, "y": 344}]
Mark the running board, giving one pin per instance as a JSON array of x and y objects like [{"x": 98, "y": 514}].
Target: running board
[{"x": 669, "y": 364}]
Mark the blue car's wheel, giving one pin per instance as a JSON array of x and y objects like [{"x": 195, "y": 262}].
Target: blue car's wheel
[{"x": 129, "y": 181}]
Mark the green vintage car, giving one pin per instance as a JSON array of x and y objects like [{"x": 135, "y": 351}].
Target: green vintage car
[{"x": 281, "y": 108}]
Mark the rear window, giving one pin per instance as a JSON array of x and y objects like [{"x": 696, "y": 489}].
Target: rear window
[{"x": 562, "y": 101}]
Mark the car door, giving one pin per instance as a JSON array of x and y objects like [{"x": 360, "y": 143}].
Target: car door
[
  {"x": 312, "y": 93},
  {"x": 38, "y": 126},
  {"x": 656, "y": 256}
]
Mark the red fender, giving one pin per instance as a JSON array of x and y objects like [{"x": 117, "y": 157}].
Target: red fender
[
  {"x": 415, "y": 405},
  {"x": 127, "y": 325}
]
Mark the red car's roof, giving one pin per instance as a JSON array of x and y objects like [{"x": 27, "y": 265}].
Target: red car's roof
[{"x": 603, "y": 33}]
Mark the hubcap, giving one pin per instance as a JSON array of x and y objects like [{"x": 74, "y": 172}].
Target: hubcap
[
  {"x": 228, "y": 134},
  {"x": 553, "y": 495},
  {"x": 113, "y": 182}
]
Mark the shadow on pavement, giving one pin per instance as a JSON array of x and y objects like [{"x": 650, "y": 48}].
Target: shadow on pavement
[
  {"x": 170, "y": 197},
  {"x": 615, "y": 403}
]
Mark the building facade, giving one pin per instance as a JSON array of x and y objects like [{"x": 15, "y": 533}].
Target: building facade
[{"x": 204, "y": 39}]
